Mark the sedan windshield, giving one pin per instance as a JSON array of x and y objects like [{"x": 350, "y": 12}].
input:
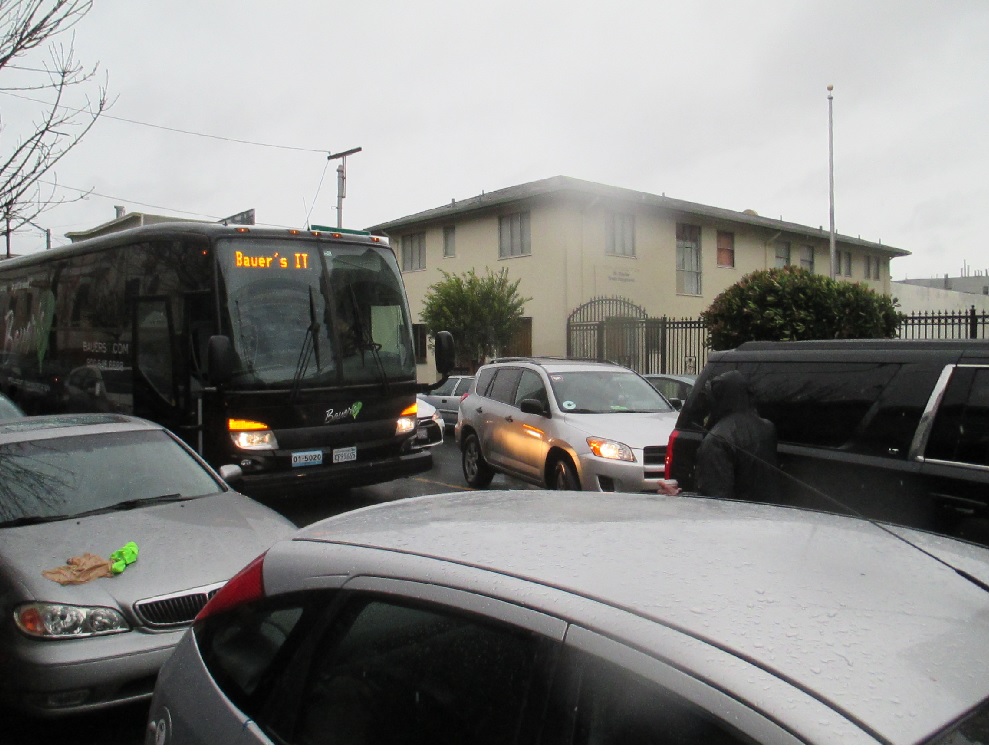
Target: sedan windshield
[
  {"x": 78, "y": 475},
  {"x": 315, "y": 313},
  {"x": 606, "y": 392}
]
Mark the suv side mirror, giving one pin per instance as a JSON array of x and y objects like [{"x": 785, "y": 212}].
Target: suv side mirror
[
  {"x": 531, "y": 405},
  {"x": 220, "y": 359}
]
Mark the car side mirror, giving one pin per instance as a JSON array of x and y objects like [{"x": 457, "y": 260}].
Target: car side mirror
[
  {"x": 533, "y": 406},
  {"x": 676, "y": 402},
  {"x": 220, "y": 359},
  {"x": 232, "y": 475}
]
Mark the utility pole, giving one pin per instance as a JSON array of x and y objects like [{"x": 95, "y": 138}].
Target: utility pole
[
  {"x": 834, "y": 253},
  {"x": 342, "y": 179}
]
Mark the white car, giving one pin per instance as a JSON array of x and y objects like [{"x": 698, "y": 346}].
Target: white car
[
  {"x": 431, "y": 428},
  {"x": 564, "y": 424}
]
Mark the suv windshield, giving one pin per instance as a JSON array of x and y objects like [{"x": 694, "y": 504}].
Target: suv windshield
[
  {"x": 314, "y": 313},
  {"x": 606, "y": 392}
]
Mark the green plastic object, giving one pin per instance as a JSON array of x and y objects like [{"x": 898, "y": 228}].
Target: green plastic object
[{"x": 120, "y": 559}]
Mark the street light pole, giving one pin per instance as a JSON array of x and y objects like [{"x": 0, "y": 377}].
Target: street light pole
[
  {"x": 834, "y": 253},
  {"x": 342, "y": 179}
]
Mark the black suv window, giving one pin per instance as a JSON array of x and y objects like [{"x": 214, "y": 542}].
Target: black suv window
[{"x": 961, "y": 428}]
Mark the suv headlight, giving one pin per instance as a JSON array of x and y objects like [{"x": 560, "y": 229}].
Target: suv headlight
[
  {"x": 42, "y": 620},
  {"x": 610, "y": 449}
]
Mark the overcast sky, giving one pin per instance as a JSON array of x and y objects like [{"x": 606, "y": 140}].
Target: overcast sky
[{"x": 718, "y": 102}]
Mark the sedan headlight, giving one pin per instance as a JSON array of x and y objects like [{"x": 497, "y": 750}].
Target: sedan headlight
[
  {"x": 251, "y": 435},
  {"x": 43, "y": 620},
  {"x": 610, "y": 449}
]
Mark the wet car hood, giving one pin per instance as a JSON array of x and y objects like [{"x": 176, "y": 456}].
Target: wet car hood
[
  {"x": 634, "y": 429},
  {"x": 182, "y": 545}
]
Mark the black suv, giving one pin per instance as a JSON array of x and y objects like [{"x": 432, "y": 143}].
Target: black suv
[{"x": 895, "y": 430}]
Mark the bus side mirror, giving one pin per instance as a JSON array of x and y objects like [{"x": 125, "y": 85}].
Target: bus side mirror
[
  {"x": 444, "y": 352},
  {"x": 220, "y": 359}
]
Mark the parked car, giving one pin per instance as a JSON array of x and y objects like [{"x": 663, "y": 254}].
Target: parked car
[
  {"x": 89, "y": 484},
  {"x": 8, "y": 408},
  {"x": 675, "y": 387},
  {"x": 564, "y": 424},
  {"x": 897, "y": 430},
  {"x": 446, "y": 398},
  {"x": 494, "y": 618},
  {"x": 430, "y": 426}
]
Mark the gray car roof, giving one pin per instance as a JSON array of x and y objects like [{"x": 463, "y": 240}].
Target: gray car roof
[{"x": 835, "y": 605}]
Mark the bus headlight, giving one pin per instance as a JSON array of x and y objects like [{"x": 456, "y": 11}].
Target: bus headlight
[
  {"x": 609, "y": 448},
  {"x": 407, "y": 421},
  {"x": 251, "y": 435}
]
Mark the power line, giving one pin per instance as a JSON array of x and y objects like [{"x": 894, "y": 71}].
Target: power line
[
  {"x": 178, "y": 130},
  {"x": 127, "y": 201}
]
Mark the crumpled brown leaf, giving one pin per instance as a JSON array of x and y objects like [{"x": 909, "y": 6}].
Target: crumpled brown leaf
[{"x": 80, "y": 569}]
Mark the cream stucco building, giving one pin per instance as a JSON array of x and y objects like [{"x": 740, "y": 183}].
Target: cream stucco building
[{"x": 570, "y": 241}]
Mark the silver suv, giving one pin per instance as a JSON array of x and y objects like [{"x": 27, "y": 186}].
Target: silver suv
[{"x": 564, "y": 424}]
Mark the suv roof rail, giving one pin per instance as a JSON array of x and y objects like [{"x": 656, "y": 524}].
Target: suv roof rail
[{"x": 541, "y": 359}]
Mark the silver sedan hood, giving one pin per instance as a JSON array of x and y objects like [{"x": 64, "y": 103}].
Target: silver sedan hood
[{"x": 182, "y": 545}]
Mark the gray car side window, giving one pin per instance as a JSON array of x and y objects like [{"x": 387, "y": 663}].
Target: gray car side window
[
  {"x": 531, "y": 387},
  {"x": 606, "y": 692},
  {"x": 388, "y": 670},
  {"x": 504, "y": 384}
]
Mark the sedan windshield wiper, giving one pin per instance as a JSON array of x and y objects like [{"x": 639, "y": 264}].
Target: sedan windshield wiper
[
  {"x": 30, "y": 520},
  {"x": 130, "y": 504}
]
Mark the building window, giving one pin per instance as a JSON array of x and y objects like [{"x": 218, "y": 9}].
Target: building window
[
  {"x": 419, "y": 342},
  {"x": 619, "y": 230},
  {"x": 688, "y": 259},
  {"x": 782, "y": 254},
  {"x": 449, "y": 242},
  {"x": 513, "y": 235},
  {"x": 413, "y": 252},
  {"x": 726, "y": 249},
  {"x": 876, "y": 264},
  {"x": 807, "y": 258},
  {"x": 846, "y": 257}
]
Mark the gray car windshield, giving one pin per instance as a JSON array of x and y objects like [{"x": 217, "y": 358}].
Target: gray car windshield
[
  {"x": 77, "y": 475},
  {"x": 311, "y": 313},
  {"x": 606, "y": 392}
]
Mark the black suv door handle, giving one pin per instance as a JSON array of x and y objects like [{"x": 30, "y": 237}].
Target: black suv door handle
[{"x": 510, "y": 419}]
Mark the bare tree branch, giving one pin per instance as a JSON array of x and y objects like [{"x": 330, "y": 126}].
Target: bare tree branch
[{"x": 25, "y": 26}]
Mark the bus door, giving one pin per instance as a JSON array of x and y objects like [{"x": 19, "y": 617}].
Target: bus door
[
  {"x": 199, "y": 324},
  {"x": 156, "y": 368}
]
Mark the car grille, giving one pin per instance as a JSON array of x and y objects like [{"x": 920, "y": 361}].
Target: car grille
[
  {"x": 177, "y": 609},
  {"x": 654, "y": 455}
]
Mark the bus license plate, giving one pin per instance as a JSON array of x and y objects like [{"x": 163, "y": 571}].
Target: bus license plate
[
  {"x": 307, "y": 457},
  {"x": 344, "y": 454}
]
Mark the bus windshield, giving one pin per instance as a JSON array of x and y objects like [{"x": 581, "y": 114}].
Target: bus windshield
[{"x": 314, "y": 313}]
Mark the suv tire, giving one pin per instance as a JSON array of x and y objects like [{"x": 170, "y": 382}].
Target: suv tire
[
  {"x": 565, "y": 476},
  {"x": 477, "y": 473}
]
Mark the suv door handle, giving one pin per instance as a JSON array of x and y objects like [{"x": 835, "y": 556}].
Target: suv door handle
[
  {"x": 963, "y": 505},
  {"x": 510, "y": 419}
]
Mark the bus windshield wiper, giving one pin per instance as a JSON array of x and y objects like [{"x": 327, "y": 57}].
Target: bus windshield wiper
[
  {"x": 366, "y": 339},
  {"x": 310, "y": 348}
]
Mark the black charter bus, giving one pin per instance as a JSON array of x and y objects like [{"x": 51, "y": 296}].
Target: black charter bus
[{"x": 286, "y": 352}]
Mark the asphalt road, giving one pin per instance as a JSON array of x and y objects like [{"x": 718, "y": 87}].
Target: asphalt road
[{"x": 126, "y": 725}]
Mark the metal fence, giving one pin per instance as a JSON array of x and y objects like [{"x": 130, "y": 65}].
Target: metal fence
[
  {"x": 679, "y": 346},
  {"x": 945, "y": 325}
]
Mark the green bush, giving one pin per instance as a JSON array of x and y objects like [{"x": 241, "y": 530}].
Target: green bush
[{"x": 794, "y": 304}]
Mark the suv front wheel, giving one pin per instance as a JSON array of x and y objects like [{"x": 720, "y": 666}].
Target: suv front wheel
[
  {"x": 565, "y": 476},
  {"x": 477, "y": 473}
]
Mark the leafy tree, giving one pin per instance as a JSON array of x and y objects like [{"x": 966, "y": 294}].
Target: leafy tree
[
  {"x": 795, "y": 304},
  {"x": 482, "y": 313},
  {"x": 59, "y": 125}
]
